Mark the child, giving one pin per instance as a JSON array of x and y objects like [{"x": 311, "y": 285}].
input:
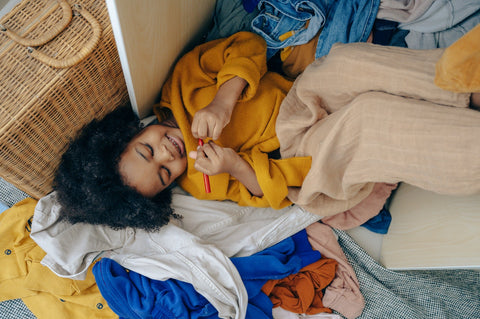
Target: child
[
  {"x": 222, "y": 92},
  {"x": 228, "y": 81}
]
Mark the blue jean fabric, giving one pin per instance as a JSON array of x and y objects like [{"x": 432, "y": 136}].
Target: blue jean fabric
[
  {"x": 131, "y": 295},
  {"x": 348, "y": 21},
  {"x": 278, "y": 17},
  {"x": 342, "y": 21}
]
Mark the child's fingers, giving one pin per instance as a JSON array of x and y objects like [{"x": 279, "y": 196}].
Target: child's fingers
[
  {"x": 202, "y": 130},
  {"x": 212, "y": 150},
  {"x": 217, "y": 130},
  {"x": 201, "y": 160},
  {"x": 199, "y": 130},
  {"x": 205, "y": 125},
  {"x": 199, "y": 167},
  {"x": 199, "y": 126},
  {"x": 201, "y": 153},
  {"x": 204, "y": 164},
  {"x": 194, "y": 127}
]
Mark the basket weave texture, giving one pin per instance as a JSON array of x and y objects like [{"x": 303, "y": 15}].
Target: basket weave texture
[{"x": 41, "y": 107}]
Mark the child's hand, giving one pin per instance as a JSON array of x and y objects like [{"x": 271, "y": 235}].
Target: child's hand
[
  {"x": 212, "y": 159},
  {"x": 210, "y": 121}
]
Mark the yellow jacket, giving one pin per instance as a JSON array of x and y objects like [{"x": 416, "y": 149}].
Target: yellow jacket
[
  {"x": 251, "y": 131},
  {"x": 42, "y": 291}
]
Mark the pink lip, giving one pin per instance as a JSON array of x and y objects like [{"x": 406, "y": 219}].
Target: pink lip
[{"x": 177, "y": 143}]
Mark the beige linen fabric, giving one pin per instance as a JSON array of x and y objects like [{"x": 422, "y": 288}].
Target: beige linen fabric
[
  {"x": 343, "y": 294},
  {"x": 369, "y": 113}
]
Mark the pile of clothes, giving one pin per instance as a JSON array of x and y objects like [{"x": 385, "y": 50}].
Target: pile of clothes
[{"x": 220, "y": 260}]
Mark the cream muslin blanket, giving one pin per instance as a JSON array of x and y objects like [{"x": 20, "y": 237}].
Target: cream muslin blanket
[{"x": 369, "y": 113}]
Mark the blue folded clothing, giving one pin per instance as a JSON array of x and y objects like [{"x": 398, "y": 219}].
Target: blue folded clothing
[
  {"x": 132, "y": 295},
  {"x": 380, "y": 223}
]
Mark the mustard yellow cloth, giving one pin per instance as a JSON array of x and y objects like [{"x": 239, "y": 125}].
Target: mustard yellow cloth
[
  {"x": 458, "y": 69},
  {"x": 43, "y": 292},
  {"x": 251, "y": 131}
]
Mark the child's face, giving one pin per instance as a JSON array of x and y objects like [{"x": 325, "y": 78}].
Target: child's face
[{"x": 153, "y": 159}]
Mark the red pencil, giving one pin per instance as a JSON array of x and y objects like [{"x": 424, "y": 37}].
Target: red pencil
[{"x": 206, "y": 180}]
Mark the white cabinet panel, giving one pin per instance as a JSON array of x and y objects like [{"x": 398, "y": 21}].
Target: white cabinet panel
[{"x": 150, "y": 36}]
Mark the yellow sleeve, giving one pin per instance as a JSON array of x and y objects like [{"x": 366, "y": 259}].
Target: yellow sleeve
[
  {"x": 199, "y": 73},
  {"x": 244, "y": 56},
  {"x": 274, "y": 177}
]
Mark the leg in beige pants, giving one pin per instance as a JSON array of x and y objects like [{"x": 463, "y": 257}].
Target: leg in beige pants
[{"x": 367, "y": 114}]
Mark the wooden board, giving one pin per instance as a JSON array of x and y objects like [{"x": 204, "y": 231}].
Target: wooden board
[
  {"x": 430, "y": 231},
  {"x": 150, "y": 36}
]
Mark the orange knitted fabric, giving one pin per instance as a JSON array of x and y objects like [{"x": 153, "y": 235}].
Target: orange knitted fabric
[{"x": 302, "y": 292}]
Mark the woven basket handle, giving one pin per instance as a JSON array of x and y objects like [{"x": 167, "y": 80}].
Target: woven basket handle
[
  {"x": 48, "y": 36},
  {"x": 84, "y": 51}
]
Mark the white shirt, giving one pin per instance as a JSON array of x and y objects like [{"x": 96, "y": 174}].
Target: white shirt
[{"x": 196, "y": 249}]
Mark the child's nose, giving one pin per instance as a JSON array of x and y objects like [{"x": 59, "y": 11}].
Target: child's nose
[{"x": 165, "y": 155}]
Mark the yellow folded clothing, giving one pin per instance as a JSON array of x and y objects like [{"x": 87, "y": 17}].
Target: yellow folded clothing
[
  {"x": 458, "y": 69},
  {"x": 23, "y": 276}
]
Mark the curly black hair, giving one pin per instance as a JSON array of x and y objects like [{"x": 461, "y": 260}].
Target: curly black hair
[{"x": 88, "y": 184}]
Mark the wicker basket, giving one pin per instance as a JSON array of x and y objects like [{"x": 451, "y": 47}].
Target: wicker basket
[{"x": 49, "y": 92}]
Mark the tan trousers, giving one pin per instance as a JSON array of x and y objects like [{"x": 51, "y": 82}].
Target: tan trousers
[{"x": 369, "y": 113}]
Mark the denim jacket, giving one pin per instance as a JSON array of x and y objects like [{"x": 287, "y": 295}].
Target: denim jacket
[{"x": 342, "y": 21}]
